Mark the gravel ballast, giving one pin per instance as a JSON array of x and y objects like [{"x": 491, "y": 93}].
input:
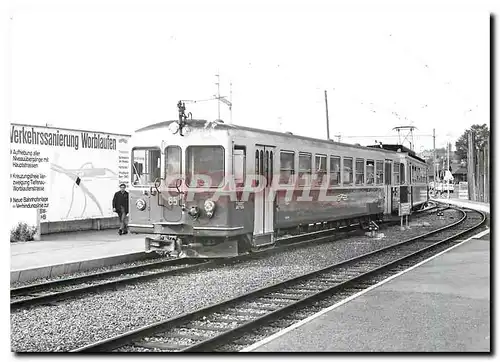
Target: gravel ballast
[{"x": 77, "y": 322}]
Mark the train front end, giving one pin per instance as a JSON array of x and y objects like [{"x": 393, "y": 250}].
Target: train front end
[{"x": 175, "y": 194}]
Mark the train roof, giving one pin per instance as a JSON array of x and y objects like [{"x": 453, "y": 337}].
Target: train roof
[
  {"x": 397, "y": 147},
  {"x": 201, "y": 123}
]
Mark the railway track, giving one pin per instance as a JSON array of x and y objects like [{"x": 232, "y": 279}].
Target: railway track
[
  {"x": 49, "y": 292},
  {"x": 58, "y": 290},
  {"x": 223, "y": 324},
  {"x": 54, "y": 291}
]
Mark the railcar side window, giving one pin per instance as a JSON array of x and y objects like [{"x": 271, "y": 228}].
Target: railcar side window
[
  {"x": 348, "y": 171},
  {"x": 380, "y": 172},
  {"x": 388, "y": 172},
  {"x": 239, "y": 165},
  {"x": 287, "y": 167},
  {"x": 305, "y": 168},
  {"x": 204, "y": 166},
  {"x": 271, "y": 167},
  {"x": 360, "y": 171},
  {"x": 370, "y": 172},
  {"x": 396, "y": 173},
  {"x": 267, "y": 168},
  {"x": 335, "y": 170},
  {"x": 145, "y": 166},
  {"x": 257, "y": 166},
  {"x": 320, "y": 167},
  {"x": 402, "y": 173}
]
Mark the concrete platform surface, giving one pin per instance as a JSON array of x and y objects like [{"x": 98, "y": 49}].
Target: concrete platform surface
[
  {"x": 56, "y": 249},
  {"x": 440, "y": 306},
  {"x": 476, "y": 205}
]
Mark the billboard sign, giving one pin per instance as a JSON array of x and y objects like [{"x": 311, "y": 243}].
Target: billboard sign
[{"x": 67, "y": 174}]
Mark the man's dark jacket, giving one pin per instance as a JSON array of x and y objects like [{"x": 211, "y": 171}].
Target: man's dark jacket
[{"x": 120, "y": 200}]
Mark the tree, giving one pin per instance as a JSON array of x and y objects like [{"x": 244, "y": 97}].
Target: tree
[{"x": 482, "y": 134}]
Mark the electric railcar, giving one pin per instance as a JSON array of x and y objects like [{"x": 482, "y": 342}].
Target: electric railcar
[{"x": 213, "y": 189}]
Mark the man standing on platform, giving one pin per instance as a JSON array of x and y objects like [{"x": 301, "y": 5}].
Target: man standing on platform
[{"x": 120, "y": 206}]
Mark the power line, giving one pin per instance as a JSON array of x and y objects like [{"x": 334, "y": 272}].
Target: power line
[{"x": 395, "y": 136}]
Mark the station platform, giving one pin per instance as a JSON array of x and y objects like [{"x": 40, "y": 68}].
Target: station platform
[
  {"x": 442, "y": 305},
  {"x": 481, "y": 206},
  {"x": 61, "y": 253}
]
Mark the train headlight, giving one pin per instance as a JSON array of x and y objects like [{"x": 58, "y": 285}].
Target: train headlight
[
  {"x": 173, "y": 127},
  {"x": 140, "y": 204},
  {"x": 209, "y": 208}
]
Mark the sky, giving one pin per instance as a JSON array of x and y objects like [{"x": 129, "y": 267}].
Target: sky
[{"x": 117, "y": 66}]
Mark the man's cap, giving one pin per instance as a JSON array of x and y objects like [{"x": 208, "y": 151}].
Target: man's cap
[{"x": 123, "y": 185}]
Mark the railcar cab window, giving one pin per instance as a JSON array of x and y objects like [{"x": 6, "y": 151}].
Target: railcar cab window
[
  {"x": 204, "y": 166},
  {"x": 370, "y": 172},
  {"x": 360, "y": 171},
  {"x": 348, "y": 171},
  {"x": 146, "y": 166},
  {"x": 380, "y": 172},
  {"x": 239, "y": 165},
  {"x": 173, "y": 165},
  {"x": 335, "y": 170},
  {"x": 320, "y": 167},
  {"x": 287, "y": 167},
  {"x": 305, "y": 168}
]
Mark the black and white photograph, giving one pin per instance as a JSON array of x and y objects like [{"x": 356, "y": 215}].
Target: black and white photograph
[{"x": 249, "y": 176}]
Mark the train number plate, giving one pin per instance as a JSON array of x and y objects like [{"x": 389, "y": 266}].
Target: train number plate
[{"x": 173, "y": 201}]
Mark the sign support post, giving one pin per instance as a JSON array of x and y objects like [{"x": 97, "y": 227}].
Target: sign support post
[{"x": 38, "y": 232}]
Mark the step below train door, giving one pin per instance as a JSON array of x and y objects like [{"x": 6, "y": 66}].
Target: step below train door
[
  {"x": 388, "y": 186},
  {"x": 263, "y": 233}
]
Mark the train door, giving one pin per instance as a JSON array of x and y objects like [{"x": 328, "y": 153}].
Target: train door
[
  {"x": 388, "y": 186},
  {"x": 264, "y": 197},
  {"x": 411, "y": 180}
]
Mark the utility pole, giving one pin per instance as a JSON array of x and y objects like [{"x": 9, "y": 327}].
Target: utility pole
[
  {"x": 231, "y": 101},
  {"x": 486, "y": 171},
  {"x": 448, "y": 167},
  {"x": 478, "y": 175},
  {"x": 470, "y": 167},
  {"x": 327, "y": 120},
  {"x": 218, "y": 95},
  {"x": 434, "y": 158}
]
